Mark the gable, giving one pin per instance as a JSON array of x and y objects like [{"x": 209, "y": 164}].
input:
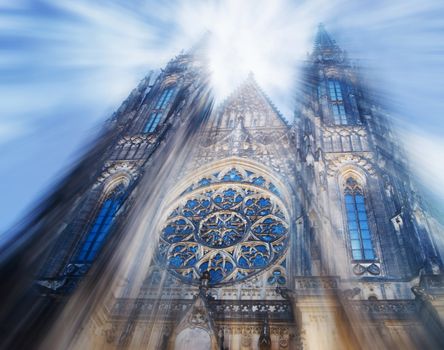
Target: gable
[{"x": 250, "y": 106}]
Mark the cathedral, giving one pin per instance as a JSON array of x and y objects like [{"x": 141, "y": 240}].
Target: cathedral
[{"x": 191, "y": 225}]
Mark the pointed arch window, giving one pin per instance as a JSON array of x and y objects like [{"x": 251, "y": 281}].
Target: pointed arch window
[
  {"x": 357, "y": 221},
  {"x": 101, "y": 227},
  {"x": 158, "y": 110},
  {"x": 337, "y": 102}
]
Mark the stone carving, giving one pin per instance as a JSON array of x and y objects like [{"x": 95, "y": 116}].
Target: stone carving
[
  {"x": 198, "y": 316},
  {"x": 221, "y": 309},
  {"x": 422, "y": 294},
  {"x": 115, "y": 167},
  {"x": 334, "y": 163},
  {"x": 360, "y": 269},
  {"x": 110, "y": 333},
  {"x": 131, "y": 140},
  {"x": 53, "y": 284},
  {"x": 386, "y": 309}
]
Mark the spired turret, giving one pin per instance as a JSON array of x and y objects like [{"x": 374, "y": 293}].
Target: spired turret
[{"x": 358, "y": 186}]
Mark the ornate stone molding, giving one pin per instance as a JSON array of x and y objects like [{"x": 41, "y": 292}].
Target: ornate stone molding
[
  {"x": 131, "y": 140},
  {"x": 385, "y": 309},
  {"x": 336, "y": 162},
  {"x": 367, "y": 268},
  {"x": 343, "y": 130},
  {"x": 223, "y": 310},
  {"x": 132, "y": 168},
  {"x": 314, "y": 285}
]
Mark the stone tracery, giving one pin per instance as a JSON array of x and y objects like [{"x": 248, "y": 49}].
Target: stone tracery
[{"x": 231, "y": 225}]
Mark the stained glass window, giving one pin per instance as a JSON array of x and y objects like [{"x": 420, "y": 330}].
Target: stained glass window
[
  {"x": 101, "y": 227},
  {"x": 164, "y": 98},
  {"x": 337, "y": 102},
  {"x": 232, "y": 230},
  {"x": 237, "y": 174},
  {"x": 153, "y": 121},
  {"x": 357, "y": 221},
  {"x": 158, "y": 110}
]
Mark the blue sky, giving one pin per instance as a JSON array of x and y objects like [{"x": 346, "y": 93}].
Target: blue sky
[{"x": 65, "y": 66}]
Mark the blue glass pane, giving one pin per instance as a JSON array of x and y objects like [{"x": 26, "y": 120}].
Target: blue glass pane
[
  {"x": 99, "y": 231},
  {"x": 204, "y": 182},
  {"x": 240, "y": 275},
  {"x": 164, "y": 98},
  {"x": 91, "y": 256},
  {"x": 216, "y": 276},
  {"x": 365, "y": 234},
  {"x": 259, "y": 261},
  {"x": 264, "y": 202},
  {"x": 355, "y": 244},
  {"x": 357, "y": 254},
  {"x": 259, "y": 181},
  {"x": 232, "y": 175},
  {"x": 362, "y": 216},
  {"x": 364, "y": 225},
  {"x": 359, "y": 198},
  {"x": 351, "y": 216},
  {"x": 335, "y": 110},
  {"x": 192, "y": 204},
  {"x": 352, "y": 225},
  {"x": 155, "y": 122},
  {"x": 367, "y": 244},
  {"x": 243, "y": 262},
  {"x": 191, "y": 262},
  {"x": 350, "y": 207},
  {"x": 360, "y": 207},
  {"x": 354, "y": 234},
  {"x": 369, "y": 254},
  {"x": 176, "y": 261}
]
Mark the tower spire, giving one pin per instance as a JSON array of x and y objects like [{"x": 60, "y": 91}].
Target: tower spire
[{"x": 325, "y": 46}]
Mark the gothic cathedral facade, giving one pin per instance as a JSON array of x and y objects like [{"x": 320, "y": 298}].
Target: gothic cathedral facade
[{"x": 228, "y": 227}]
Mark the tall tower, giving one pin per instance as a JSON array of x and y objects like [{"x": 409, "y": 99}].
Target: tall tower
[
  {"x": 357, "y": 176},
  {"x": 194, "y": 226},
  {"x": 81, "y": 225},
  {"x": 366, "y": 222}
]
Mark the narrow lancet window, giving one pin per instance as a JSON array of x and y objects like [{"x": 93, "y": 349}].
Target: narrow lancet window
[
  {"x": 337, "y": 102},
  {"x": 164, "y": 98},
  {"x": 158, "y": 110},
  {"x": 152, "y": 122},
  {"x": 101, "y": 227},
  {"x": 357, "y": 221}
]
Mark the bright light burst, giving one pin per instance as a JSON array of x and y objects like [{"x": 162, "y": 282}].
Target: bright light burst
[
  {"x": 66, "y": 65},
  {"x": 267, "y": 38}
]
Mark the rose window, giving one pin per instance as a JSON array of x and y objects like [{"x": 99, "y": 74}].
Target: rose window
[
  {"x": 222, "y": 229},
  {"x": 231, "y": 230}
]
